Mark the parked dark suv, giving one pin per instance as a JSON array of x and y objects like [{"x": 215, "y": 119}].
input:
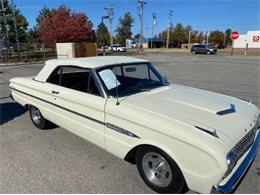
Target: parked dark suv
[{"x": 204, "y": 49}]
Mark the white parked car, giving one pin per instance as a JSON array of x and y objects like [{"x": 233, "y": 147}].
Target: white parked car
[
  {"x": 118, "y": 48},
  {"x": 177, "y": 136}
]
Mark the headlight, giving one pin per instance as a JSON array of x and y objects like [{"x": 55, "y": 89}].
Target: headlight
[{"x": 231, "y": 162}]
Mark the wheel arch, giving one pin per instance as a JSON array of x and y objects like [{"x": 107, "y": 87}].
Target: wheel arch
[
  {"x": 130, "y": 156},
  {"x": 187, "y": 174}
]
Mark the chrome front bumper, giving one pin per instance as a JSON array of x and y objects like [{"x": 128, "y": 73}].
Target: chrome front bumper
[{"x": 230, "y": 185}]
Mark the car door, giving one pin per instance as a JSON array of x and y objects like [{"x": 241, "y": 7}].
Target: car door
[
  {"x": 120, "y": 134},
  {"x": 196, "y": 48},
  {"x": 199, "y": 48},
  {"x": 203, "y": 49},
  {"x": 80, "y": 106},
  {"x": 40, "y": 95}
]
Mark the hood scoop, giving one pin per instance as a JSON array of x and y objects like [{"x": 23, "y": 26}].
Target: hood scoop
[{"x": 230, "y": 110}]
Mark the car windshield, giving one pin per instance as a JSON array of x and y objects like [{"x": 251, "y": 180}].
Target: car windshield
[
  {"x": 209, "y": 46},
  {"x": 127, "y": 79}
]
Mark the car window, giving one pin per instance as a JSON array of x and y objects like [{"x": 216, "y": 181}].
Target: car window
[
  {"x": 54, "y": 78},
  {"x": 127, "y": 79},
  {"x": 73, "y": 77},
  {"x": 139, "y": 72},
  {"x": 209, "y": 46}
]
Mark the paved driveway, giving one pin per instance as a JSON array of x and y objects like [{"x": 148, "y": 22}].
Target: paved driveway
[{"x": 56, "y": 161}]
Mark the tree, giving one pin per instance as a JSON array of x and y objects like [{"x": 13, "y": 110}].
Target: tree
[
  {"x": 137, "y": 36},
  {"x": 124, "y": 28},
  {"x": 9, "y": 29},
  {"x": 33, "y": 35},
  {"x": 163, "y": 35},
  {"x": 227, "y": 37},
  {"x": 187, "y": 31},
  {"x": 199, "y": 37},
  {"x": 102, "y": 29},
  {"x": 44, "y": 12},
  {"x": 179, "y": 35},
  {"x": 63, "y": 25},
  {"x": 216, "y": 37}
]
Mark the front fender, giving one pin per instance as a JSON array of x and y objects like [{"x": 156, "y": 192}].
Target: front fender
[{"x": 200, "y": 169}]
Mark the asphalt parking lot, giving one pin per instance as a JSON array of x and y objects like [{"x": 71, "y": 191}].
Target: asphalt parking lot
[{"x": 56, "y": 161}]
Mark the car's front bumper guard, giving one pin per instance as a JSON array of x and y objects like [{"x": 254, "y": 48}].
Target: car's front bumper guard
[{"x": 235, "y": 178}]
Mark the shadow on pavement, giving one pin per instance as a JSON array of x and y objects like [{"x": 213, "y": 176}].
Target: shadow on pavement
[{"x": 10, "y": 110}]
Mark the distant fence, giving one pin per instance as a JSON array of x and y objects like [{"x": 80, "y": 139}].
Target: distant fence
[{"x": 29, "y": 52}]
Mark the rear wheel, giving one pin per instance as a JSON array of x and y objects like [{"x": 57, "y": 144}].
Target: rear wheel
[
  {"x": 193, "y": 52},
  {"x": 38, "y": 120},
  {"x": 159, "y": 171}
]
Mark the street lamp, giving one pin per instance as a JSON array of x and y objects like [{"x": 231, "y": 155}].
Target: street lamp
[
  {"x": 190, "y": 36},
  {"x": 103, "y": 37}
]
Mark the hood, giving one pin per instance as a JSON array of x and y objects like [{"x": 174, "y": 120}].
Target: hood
[{"x": 227, "y": 115}]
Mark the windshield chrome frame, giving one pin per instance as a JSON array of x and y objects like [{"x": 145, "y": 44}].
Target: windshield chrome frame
[{"x": 102, "y": 87}]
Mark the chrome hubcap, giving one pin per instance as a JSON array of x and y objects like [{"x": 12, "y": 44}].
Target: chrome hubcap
[
  {"x": 156, "y": 169},
  {"x": 36, "y": 116}
]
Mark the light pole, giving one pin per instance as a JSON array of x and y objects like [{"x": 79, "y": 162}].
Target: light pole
[
  {"x": 190, "y": 36},
  {"x": 207, "y": 38},
  {"x": 224, "y": 40},
  {"x": 110, "y": 13},
  {"x": 154, "y": 16},
  {"x": 141, "y": 16},
  {"x": 169, "y": 26},
  {"x": 103, "y": 36},
  {"x": 15, "y": 30}
]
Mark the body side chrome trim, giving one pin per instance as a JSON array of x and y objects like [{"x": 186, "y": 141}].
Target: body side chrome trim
[
  {"x": 109, "y": 125},
  {"x": 121, "y": 130},
  {"x": 46, "y": 101}
]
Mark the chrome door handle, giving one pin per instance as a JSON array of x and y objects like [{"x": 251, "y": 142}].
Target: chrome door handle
[{"x": 55, "y": 92}]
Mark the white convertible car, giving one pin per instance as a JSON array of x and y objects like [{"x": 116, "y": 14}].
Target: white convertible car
[{"x": 179, "y": 137}]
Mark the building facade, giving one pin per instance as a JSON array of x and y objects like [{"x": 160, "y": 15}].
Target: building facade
[
  {"x": 250, "y": 40},
  {"x": 150, "y": 42}
]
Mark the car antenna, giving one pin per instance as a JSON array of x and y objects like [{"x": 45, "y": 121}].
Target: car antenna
[{"x": 117, "y": 102}]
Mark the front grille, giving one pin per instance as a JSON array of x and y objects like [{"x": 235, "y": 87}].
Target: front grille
[{"x": 245, "y": 143}]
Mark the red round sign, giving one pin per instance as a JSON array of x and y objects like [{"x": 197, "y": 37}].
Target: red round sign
[{"x": 234, "y": 35}]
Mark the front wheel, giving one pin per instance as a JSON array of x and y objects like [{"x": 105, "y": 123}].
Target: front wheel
[
  {"x": 208, "y": 53},
  {"x": 159, "y": 171}
]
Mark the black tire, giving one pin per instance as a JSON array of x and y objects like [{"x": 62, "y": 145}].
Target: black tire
[
  {"x": 208, "y": 53},
  {"x": 42, "y": 123},
  {"x": 193, "y": 52},
  {"x": 177, "y": 183}
]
